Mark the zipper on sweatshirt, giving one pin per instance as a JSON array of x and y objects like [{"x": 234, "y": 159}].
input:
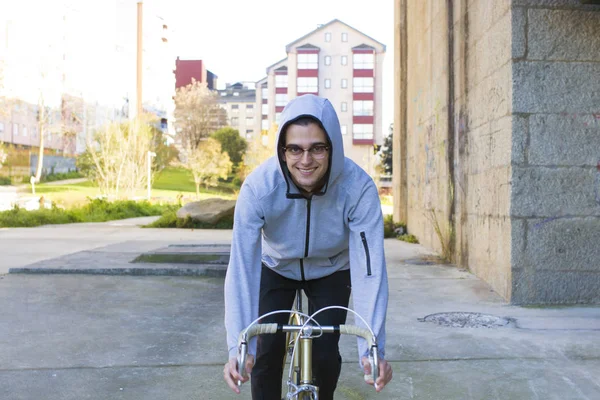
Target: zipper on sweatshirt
[
  {"x": 368, "y": 257},
  {"x": 308, "y": 203}
]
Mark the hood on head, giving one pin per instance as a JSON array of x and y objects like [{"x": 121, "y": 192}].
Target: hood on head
[{"x": 322, "y": 110}]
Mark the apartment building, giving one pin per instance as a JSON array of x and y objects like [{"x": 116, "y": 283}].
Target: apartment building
[
  {"x": 342, "y": 64},
  {"x": 188, "y": 70},
  {"x": 239, "y": 101}
]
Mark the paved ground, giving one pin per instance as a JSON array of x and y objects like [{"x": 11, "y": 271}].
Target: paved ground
[{"x": 71, "y": 336}]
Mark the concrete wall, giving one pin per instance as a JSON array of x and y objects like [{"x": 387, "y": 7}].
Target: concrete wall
[
  {"x": 509, "y": 185},
  {"x": 483, "y": 76},
  {"x": 556, "y": 175},
  {"x": 428, "y": 181},
  {"x": 461, "y": 173}
]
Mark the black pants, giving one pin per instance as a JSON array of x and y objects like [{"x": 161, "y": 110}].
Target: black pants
[{"x": 277, "y": 293}]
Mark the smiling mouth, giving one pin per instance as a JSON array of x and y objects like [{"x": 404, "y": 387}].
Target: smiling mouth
[{"x": 307, "y": 171}]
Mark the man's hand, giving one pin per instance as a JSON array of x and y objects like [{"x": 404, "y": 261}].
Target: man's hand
[
  {"x": 385, "y": 373},
  {"x": 230, "y": 373}
]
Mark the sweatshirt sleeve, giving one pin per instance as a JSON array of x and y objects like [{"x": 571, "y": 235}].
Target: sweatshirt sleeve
[
  {"x": 242, "y": 280},
  {"x": 367, "y": 265}
]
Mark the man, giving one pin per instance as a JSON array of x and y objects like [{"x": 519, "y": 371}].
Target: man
[{"x": 308, "y": 218}]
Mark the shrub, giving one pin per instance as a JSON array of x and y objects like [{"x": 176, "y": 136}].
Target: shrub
[
  {"x": 19, "y": 217},
  {"x": 97, "y": 210},
  {"x": 169, "y": 220},
  {"x": 408, "y": 238},
  {"x": 5, "y": 180},
  {"x": 392, "y": 229},
  {"x": 59, "y": 176}
]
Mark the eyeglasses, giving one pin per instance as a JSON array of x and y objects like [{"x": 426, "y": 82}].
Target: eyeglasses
[{"x": 318, "y": 151}]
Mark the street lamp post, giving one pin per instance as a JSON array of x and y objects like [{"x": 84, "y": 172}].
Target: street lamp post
[{"x": 150, "y": 155}]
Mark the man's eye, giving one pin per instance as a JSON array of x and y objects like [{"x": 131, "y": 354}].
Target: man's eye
[
  {"x": 319, "y": 149},
  {"x": 294, "y": 150}
]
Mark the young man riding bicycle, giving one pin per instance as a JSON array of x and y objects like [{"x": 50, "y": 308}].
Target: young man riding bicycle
[{"x": 307, "y": 218}]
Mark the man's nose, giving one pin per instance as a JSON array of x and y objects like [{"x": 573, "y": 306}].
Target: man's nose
[{"x": 306, "y": 157}]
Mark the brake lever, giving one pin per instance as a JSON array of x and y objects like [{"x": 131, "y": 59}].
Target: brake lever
[
  {"x": 241, "y": 367},
  {"x": 374, "y": 360}
]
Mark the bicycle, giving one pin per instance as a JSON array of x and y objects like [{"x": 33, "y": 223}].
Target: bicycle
[{"x": 300, "y": 332}]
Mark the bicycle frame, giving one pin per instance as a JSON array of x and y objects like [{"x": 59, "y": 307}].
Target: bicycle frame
[{"x": 301, "y": 332}]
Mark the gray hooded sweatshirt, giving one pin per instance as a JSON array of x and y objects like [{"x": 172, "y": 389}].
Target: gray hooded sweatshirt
[{"x": 338, "y": 228}]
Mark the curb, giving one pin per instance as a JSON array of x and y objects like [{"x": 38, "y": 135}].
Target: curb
[{"x": 214, "y": 271}]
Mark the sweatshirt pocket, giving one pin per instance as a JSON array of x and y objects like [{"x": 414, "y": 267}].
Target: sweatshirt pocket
[{"x": 363, "y": 237}]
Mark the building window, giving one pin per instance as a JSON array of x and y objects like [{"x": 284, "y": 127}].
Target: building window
[
  {"x": 15, "y": 131},
  {"x": 362, "y": 131},
  {"x": 327, "y": 60},
  {"x": 308, "y": 61},
  {"x": 281, "y": 81},
  {"x": 362, "y": 85},
  {"x": 344, "y": 129},
  {"x": 344, "y": 60},
  {"x": 344, "y": 106},
  {"x": 24, "y": 130},
  {"x": 328, "y": 36},
  {"x": 344, "y": 83},
  {"x": 235, "y": 108},
  {"x": 281, "y": 99},
  {"x": 344, "y": 37},
  {"x": 327, "y": 83},
  {"x": 249, "y": 121},
  {"x": 234, "y": 121},
  {"x": 265, "y": 109},
  {"x": 362, "y": 107},
  {"x": 236, "y": 94},
  {"x": 249, "y": 131},
  {"x": 264, "y": 125},
  {"x": 308, "y": 85},
  {"x": 249, "y": 106},
  {"x": 363, "y": 61},
  {"x": 1, "y": 127},
  {"x": 264, "y": 92}
]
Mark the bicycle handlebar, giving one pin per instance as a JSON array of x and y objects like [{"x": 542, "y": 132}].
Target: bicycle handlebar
[{"x": 261, "y": 329}]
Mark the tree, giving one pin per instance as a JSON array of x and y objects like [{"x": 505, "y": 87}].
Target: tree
[
  {"x": 386, "y": 152},
  {"x": 165, "y": 153},
  {"x": 116, "y": 157},
  {"x": 232, "y": 143},
  {"x": 3, "y": 155},
  {"x": 207, "y": 163},
  {"x": 260, "y": 148},
  {"x": 197, "y": 114}
]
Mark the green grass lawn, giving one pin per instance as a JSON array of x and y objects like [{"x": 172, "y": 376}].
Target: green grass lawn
[
  {"x": 169, "y": 185},
  {"x": 180, "y": 180}
]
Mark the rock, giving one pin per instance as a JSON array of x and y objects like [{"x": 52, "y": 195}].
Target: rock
[{"x": 208, "y": 211}]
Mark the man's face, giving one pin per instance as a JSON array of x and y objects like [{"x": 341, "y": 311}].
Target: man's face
[{"x": 307, "y": 171}]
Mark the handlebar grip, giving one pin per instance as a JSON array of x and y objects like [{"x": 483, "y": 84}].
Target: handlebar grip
[
  {"x": 358, "y": 331},
  {"x": 258, "y": 329}
]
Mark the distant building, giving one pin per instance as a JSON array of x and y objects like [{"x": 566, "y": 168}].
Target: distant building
[
  {"x": 56, "y": 67},
  {"x": 239, "y": 101},
  {"x": 340, "y": 63},
  {"x": 186, "y": 70}
]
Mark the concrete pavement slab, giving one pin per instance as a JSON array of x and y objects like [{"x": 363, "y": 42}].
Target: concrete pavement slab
[
  {"x": 157, "y": 337},
  {"x": 20, "y": 247}
]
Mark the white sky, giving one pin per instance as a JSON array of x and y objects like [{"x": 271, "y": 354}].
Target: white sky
[{"x": 239, "y": 39}]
